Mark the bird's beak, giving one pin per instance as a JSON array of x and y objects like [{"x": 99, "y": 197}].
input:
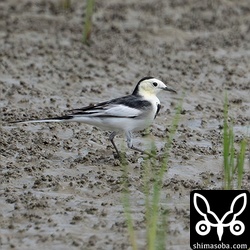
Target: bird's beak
[{"x": 169, "y": 89}]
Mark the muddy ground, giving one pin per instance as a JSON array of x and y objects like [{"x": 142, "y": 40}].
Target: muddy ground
[{"x": 60, "y": 185}]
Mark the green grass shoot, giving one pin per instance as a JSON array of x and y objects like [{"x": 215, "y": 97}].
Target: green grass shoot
[
  {"x": 127, "y": 206},
  {"x": 155, "y": 216},
  {"x": 156, "y": 231},
  {"x": 232, "y": 166},
  {"x": 88, "y": 21},
  {"x": 66, "y": 4}
]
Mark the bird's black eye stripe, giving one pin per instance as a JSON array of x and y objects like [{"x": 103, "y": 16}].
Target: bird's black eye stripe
[{"x": 155, "y": 84}]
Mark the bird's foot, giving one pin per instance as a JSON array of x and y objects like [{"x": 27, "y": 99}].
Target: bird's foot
[{"x": 121, "y": 156}]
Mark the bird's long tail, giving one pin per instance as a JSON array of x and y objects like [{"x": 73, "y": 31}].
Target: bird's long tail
[{"x": 54, "y": 119}]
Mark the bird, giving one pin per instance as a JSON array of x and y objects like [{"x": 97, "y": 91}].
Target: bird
[{"x": 127, "y": 114}]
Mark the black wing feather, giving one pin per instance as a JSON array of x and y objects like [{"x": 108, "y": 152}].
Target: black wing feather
[
  {"x": 130, "y": 101},
  {"x": 158, "y": 109}
]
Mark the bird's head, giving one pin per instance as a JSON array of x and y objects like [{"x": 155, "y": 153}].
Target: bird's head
[{"x": 150, "y": 86}]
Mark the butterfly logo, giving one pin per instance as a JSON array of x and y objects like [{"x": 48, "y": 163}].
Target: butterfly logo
[{"x": 236, "y": 227}]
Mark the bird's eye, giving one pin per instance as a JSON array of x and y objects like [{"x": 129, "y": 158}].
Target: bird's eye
[{"x": 155, "y": 84}]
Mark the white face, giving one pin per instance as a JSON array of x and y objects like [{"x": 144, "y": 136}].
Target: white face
[{"x": 152, "y": 87}]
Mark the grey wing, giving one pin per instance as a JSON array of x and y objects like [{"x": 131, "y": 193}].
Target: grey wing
[
  {"x": 127, "y": 106},
  {"x": 107, "y": 110}
]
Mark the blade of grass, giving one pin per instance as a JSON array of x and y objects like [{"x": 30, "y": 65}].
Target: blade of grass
[
  {"x": 161, "y": 231},
  {"x": 240, "y": 162},
  {"x": 148, "y": 174},
  {"x": 66, "y": 4},
  {"x": 155, "y": 231},
  {"x": 226, "y": 144},
  {"x": 127, "y": 206},
  {"x": 230, "y": 168},
  {"x": 88, "y": 21},
  {"x": 231, "y": 159},
  {"x": 158, "y": 182}
]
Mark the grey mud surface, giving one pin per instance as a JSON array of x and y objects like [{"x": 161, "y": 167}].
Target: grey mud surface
[{"x": 60, "y": 185}]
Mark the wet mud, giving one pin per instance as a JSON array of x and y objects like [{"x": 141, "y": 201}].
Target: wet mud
[{"x": 61, "y": 187}]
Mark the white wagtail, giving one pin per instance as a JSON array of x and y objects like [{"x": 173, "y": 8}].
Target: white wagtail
[{"x": 126, "y": 114}]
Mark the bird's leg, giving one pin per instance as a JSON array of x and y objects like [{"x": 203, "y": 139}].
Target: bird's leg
[
  {"x": 111, "y": 138},
  {"x": 130, "y": 145}
]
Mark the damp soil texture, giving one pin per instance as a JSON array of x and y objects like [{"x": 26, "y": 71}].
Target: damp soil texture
[{"x": 61, "y": 187}]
